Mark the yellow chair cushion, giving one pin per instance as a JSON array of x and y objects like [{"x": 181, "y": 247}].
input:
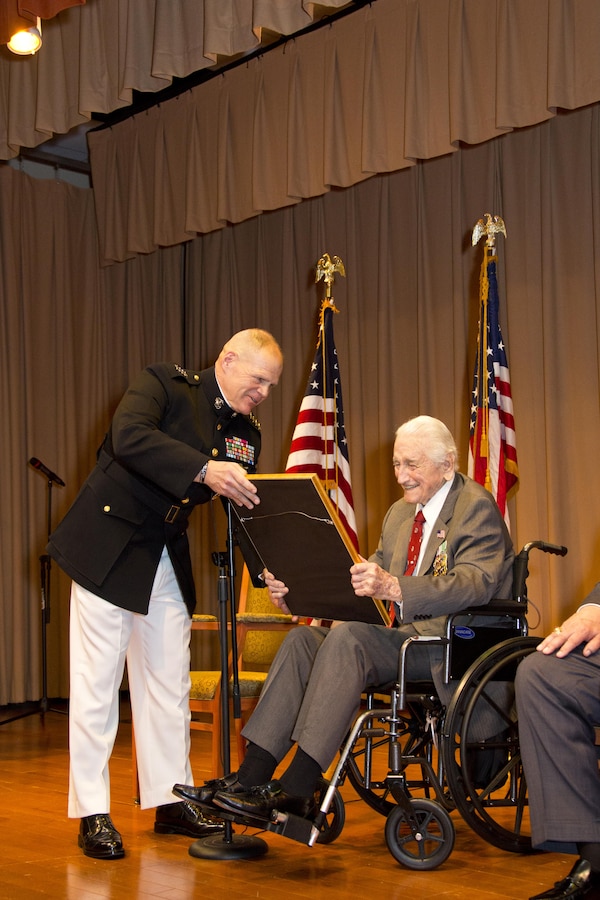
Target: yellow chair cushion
[{"x": 204, "y": 684}]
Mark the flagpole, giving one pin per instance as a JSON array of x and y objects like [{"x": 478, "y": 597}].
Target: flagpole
[
  {"x": 326, "y": 269},
  {"x": 320, "y": 433},
  {"x": 492, "y": 444}
]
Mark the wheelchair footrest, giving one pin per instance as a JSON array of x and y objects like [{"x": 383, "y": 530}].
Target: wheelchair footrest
[
  {"x": 286, "y": 824},
  {"x": 294, "y": 827}
]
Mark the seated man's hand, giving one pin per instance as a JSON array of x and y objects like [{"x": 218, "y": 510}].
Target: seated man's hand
[
  {"x": 277, "y": 592},
  {"x": 583, "y": 627},
  {"x": 370, "y": 580}
]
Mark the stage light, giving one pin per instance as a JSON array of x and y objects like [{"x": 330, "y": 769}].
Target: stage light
[{"x": 27, "y": 41}]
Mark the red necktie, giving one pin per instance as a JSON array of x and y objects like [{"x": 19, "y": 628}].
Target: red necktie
[{"x": 414, "y": 548}]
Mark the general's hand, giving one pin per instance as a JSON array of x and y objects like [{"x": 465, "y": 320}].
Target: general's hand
[
  {"x": 583, "y": 627},
  {"x": 230, "y": 480},
  {"x": 370, "y": 580},
  {"x": 277, "y": 592}
]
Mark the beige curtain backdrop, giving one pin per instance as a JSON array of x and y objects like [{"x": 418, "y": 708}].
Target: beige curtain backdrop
[
  {"x": 73, "y": 332},
  {"x": 94, "y": 57},
  {"x": 395, "y": 82}
]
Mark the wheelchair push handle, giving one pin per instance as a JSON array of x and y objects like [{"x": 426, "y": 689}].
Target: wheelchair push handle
[
  {"x": 521, "y": 566},
  {"x": 558, "y": 549}
]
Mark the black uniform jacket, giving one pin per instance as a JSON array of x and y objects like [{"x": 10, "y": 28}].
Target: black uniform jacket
[{"x": 141, "y": 492}]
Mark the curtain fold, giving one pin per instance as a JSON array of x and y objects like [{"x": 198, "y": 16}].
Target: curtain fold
[
  {"x": 395, "y": 82},
  {"x": 203, "y": 163},
  {"x": 305, "y": 163}
]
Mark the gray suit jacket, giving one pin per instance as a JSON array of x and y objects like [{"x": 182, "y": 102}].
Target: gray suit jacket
[{"x": 468, "y": 559}]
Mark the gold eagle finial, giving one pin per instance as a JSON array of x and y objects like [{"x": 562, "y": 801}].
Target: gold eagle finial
[
  {"x": 492, "y": 226},
  {"x": 326, "y": 267}
]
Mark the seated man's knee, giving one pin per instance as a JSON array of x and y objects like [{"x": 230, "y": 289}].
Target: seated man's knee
[
  {"x": 344, "y": 631},
  {"x": 533, "y": 673},
  {"x": 304, "y": 637}
]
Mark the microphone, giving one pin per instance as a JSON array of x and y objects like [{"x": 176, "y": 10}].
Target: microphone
[{"x": 51, "y": 476}]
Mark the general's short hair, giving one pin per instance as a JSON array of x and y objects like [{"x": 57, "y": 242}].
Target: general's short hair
[{"x": 254, "y": 339}]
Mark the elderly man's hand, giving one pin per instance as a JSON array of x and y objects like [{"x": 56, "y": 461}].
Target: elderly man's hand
[
  {"x": 583, "y": 627},
  {"x": 370, "y": 580},
  {"x": 277, "y": 592}
]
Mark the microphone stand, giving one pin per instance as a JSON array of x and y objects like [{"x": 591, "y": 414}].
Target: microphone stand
[
  {"x": 228, "y": 845},
  {"x": 45, "y": 572}
]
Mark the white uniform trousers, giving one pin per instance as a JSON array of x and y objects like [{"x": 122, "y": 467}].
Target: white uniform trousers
[{"x": 157, "y": 649}]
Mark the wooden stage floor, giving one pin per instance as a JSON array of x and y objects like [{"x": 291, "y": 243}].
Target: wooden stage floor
[{"x": 40, "y": 858}]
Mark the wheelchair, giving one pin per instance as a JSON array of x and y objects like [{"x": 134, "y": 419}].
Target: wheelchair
[{"x": 415, "y": 761}]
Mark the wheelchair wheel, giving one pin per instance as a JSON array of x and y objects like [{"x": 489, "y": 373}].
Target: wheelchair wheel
[
  {"x": 336, "y": 816},
  {"x": 485, "y": 776},
  {"x": 434, "y": 843}
]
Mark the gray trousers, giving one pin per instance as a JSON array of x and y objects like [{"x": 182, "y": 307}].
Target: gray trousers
[
  {"x": 312, "y": 693},
  {"x": 558, "y": 703}
]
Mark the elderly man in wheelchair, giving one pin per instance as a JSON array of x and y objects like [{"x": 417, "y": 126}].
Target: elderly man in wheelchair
[{"x": 313, "y": 692}]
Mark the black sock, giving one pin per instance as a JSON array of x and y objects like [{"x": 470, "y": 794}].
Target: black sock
[
  {"x": 591, "y": 853},
  {"x": 301, "y": 776},
  {"x": 257, "y": 766}
]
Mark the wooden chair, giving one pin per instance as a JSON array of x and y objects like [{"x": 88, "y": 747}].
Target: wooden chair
[{"x": 261, "y": 628}]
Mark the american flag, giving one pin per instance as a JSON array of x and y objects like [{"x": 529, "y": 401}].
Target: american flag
[
  {"x": 492, "y": 443},
  {"x": 319, "y": 443}
]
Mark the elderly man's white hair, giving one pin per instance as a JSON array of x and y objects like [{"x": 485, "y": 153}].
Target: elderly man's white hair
[{"x": 437, "y": 440}]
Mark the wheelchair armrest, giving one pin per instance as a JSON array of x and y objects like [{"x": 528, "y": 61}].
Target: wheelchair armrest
[
  {"x": 430, "y": 639},
  {"x": 514, "y": 608}
]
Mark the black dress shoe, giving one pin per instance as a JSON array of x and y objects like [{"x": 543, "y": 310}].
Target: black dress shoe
[
  {"x": 183, "y": 818},
  {"x": 484, "y": 765},
  {"x": 205, "y": 792},
  {"x": 263, "y": 799},
  {"x": 580, "y": 882},
  {"x": 99, "y": 838}
]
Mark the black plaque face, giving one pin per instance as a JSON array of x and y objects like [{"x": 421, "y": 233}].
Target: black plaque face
[{"x": 295, "y": 533}]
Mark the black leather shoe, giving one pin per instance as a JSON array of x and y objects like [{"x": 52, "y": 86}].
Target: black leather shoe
[
  {"x": 580, "y": 882},
  {"x": 183, "y": 818},
  {"x": 205, "y": 792},
  {"x": 99, "y": 838},
  {"x": 263, "y": 799}
]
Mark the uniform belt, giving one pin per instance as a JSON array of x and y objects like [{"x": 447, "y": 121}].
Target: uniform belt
[{"x": 161, "y": 505}]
